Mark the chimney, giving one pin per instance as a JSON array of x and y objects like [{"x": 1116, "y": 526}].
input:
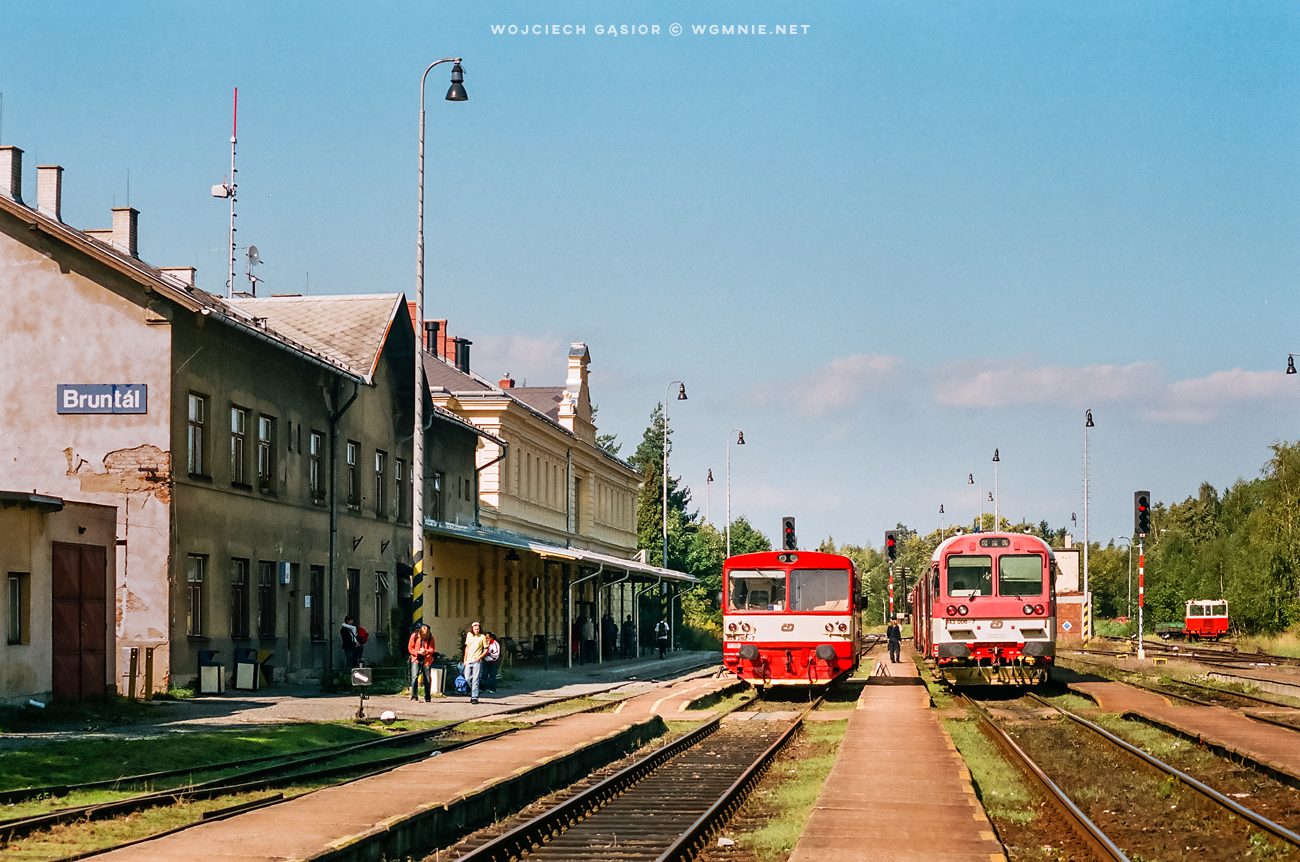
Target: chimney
[
  {"x": 431, "y": 328},
  {"x": 462, "y": 354},
  {"x": 183, "y": 274},
  {"x": 11, "y": 173},
  {"x": 506, "y": 382},
  {"x": 125, "y": 220},
  {"x": 49, "y": 191},
  {"x": 442, "y": 342}
]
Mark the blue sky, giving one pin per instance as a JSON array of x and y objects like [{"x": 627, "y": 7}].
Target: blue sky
[{"x": 884, "y": 246}]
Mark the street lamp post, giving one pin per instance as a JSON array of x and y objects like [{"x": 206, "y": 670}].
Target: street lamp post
[
  {"x": 997, "y": 498},
  {"x": 970, "y": 480},
  {"x": 943, "y": 528},
  {"x": 740, "y": 441},
  {"x": 708, "y": 486},
  {"x": 1087, "y": 593},
  {"x": 456, "y": 93},
  {"x": 681, "y": 396}
]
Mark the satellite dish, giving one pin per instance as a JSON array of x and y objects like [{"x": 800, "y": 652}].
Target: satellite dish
[{"x": 253, "y": 254}]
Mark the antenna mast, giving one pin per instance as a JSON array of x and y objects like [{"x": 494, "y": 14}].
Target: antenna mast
[{"x": 234, "y": 128}]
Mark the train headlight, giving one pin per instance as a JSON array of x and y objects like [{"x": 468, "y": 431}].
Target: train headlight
[
  {"x": 830, "y": 627},
  {"x": 1028, "y": 609},
  {"x": 952, "y": 610},
  {"x": 731, "y": 628},
  {"x": 961, "y": 609},
  {"x": 1039, "y": 609},
  {"x": 844, "y": 627}
]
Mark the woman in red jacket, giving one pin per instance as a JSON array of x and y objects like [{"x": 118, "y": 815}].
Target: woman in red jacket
[{"x": 420, "y": 649}]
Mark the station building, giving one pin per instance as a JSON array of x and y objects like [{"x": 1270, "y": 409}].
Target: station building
[
  {"x": 554, "y": 540},
  {"x": 256, "y": 451}
]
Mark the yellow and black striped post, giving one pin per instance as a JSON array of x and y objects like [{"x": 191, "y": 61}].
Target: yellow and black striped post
[
  {"x": 1086, "y": 617},
  {"x": 417, "y": 589}
]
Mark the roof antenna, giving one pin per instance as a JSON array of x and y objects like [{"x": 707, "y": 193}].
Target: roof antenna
[
  {"x": 254, "y": 258},
  {"x": 227, "y": 190}
]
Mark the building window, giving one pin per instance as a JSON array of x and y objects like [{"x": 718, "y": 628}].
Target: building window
[
  {"x": 19, "y": 607},
  {"x": 354, "y": 477},
  {"x": 238, "y": 598},
  {"x": 381, "y": 469},
  {"x": 194, "y": 442},
  {"x": 438, "y": 479},
  {"x": 265, "y": 452},
  {"x": 354, "y": 593},
  {"x": 316, "y": 473},
  {"x": 316, "y": 598},
  {"x": 381, "y": 602},
  {"x": 265, "y": 599},
  {"x": 195, "y": 571},
  {"x": 437, "y": 597},
  {"x": 238, "y": 446},
  {"x": 399, "y": 487}
]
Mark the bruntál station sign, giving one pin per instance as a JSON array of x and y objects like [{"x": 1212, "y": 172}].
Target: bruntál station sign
[{"x": 103, "y": 397}]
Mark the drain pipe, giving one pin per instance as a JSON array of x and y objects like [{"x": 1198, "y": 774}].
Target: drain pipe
[
  {"x": 573, "y": 584},
  {"x": 335, "y": 416}
]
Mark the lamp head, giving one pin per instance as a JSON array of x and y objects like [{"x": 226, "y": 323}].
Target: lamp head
[
  {"x": 740, "y": 438},
  {"x": 1290, "y": 363},
  {"x": 970, "y": 478},
  {"x": 995, "y": 455},
  {"x": 990, "y": 496},
  {"x": 512, "y": 557},
  {"x": 941, "y": 508},
  {"x": 1087, "y": 422},
  {"x": 456, "y": 92},
  {"x": 681, "y": 391},
  {"x": 710, "y": 479}
]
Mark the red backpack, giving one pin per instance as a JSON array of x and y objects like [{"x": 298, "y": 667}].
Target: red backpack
[{"x": 362, "y": 635}]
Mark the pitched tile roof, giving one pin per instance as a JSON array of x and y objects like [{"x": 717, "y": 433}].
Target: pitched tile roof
[
  {"x": 443, "y": 375},
  {"x": 350, "y": 329},
  {"x": 543, "y": 399}
]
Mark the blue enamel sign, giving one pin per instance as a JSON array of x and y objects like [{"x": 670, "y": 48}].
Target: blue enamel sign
[{"x": 103, "y": 397}]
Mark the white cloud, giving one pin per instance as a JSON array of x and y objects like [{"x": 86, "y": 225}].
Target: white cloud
[
  {"x": 1020, "y": 381},
  {"x": 540, "y": 361},
  {"x": 839, "y": 384},
  {"x": 1203, "y": 399}
]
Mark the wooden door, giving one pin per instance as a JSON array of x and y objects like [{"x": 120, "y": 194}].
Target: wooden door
[{"x": 80, "y": 628}]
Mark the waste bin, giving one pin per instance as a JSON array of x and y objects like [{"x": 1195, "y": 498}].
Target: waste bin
[
  {"x": 246, "y": 676},
  {"x": 437, "y": 675},
  {"x": 539, "y": 646},
  {"x": 212, "y": 679}
]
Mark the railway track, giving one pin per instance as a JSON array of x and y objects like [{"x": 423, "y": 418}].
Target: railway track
[
  {"x": 258, "y": 773},
  {"x": 1101, "y": 844},
  {"x": 1197, "y": 652},
  {"x": 663, "y": 807}
]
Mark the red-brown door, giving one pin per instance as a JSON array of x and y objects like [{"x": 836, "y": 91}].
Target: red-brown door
[{"x": 80, "y": 631}]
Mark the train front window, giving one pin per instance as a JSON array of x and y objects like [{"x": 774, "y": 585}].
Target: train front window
[
  {"x": 756, "y": 590},
  {"x": 819, "y": 590},
  {"x": 1020, "y": 575},
  {"x": 970, "y": 576}
]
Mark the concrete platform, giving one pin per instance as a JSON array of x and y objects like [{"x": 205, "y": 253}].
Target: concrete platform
[
  {"x": 899, "y": 790},
  {"x": 1276, "y": 748},
  {"x": 386, "y": 814}
]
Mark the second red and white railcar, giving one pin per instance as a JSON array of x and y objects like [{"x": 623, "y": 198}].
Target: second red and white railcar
[
  {"x": 986, "y": 612},
  {"x": 790, "y": 618}
]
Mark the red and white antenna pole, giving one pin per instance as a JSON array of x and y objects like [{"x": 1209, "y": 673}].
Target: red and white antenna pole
[
  {"x": 234, "y": 127},
  {"x": 1141, "y": 594}
]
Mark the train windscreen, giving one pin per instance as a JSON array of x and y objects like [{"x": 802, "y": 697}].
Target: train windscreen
[
  {"x": 1020, "y": 575},
  {"x": 756, "y": 590},
  {"x": 819, "y": 590},
  {"x": 970, "y": 576}
]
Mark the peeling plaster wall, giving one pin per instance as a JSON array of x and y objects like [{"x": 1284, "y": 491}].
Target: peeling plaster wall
[{"x": 66, "y": 319}]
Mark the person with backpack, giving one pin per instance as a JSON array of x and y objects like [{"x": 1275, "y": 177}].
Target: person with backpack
[
  {"x": 661, "y": 635},
  {"x": 491, "y": 662},
  {"x": 354, "y": 640}
]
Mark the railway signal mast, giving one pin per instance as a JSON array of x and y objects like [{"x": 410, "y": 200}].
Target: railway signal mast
[
  {"x": 891, "y": 554},
  {"x": 1141, "y": 526}
]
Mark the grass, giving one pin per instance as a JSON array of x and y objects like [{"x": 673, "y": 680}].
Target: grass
[
  {"x": 791, "y": 799},
  {"x": 86, "y": 716},
  {"x": 999, "y": 784},
  {"x": 716, "y": 704},
  {"x": 1072, "y": 702},
  {"x": 1287, "y": 643},
  {"x": 76, "y": 761},
  {"x": 939, "y": 695}
]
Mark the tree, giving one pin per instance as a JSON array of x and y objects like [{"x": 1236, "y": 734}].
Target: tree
[
  {"x": 608, "y": 442},
  {"x": 649, "y": 459}
]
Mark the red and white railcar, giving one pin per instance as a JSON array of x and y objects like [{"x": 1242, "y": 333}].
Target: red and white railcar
[
  {"x": 790, "y": 617},
  {"x": 986, "y": 612}
]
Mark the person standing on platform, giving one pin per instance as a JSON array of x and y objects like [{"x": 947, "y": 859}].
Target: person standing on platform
[
  {"x": 588, "y": 639},
  {"x": 661, "y": 636},
  {"x": 609, "y": 635},
  {"x": 420, "y": 649},
  {"x": 894, "y": 634},
  {"x": 628, "y": 637},
  {"x": 491, "y": 662},
  {"x": 351, "y": 641},
  {"x": 475, "y": 648}
]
